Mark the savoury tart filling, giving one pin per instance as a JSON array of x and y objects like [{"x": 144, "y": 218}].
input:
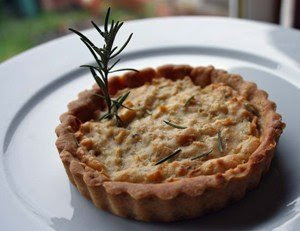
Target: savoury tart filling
[{"x": 213, "y": 129}]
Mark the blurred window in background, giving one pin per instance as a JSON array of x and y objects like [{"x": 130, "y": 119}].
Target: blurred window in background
[{"x": 27, "y": 23}]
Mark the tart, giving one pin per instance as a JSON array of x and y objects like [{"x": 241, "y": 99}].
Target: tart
[{"x": 193, "y": 140}]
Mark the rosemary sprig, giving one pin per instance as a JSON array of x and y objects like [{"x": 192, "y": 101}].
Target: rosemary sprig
[
  {"x": 104, "y": 56},
  {"x": 202, "y": 155},
  {"x": 189, "y": 100},
  {"x": 174, "y": 125},
  {"x": 220, "y": 144},
  {"x": 168, "y": 157}
]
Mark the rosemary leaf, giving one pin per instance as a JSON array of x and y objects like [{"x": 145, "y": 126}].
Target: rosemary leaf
[
  {"x": 123, "y": 47},
  {"x": 105, "y": 116},
  {"x": 124, "y": 69},
  {"x": 92, "y": 52},
  {"x": 189, "y": 100},
  {"x": 82, "y": 37},
  {"x": 98, "y": 29},
  {"x": 168, "y": 157},
  {"x": 106, "y": 20},
  {"x": 113, "y": 50},
  {"x": 98, "y": 80},
  {"x": 128, "y": 108},
  {"x": 90, "y": 66},
  {"x": 220, "y": 144},
  {"x": 100, "y": 96},
  {"x": 174, "y": 125},
  {"x": 123, "y": 97},
  {"x": 115, "y": 63},
  {"x": 202, "y": 155}
]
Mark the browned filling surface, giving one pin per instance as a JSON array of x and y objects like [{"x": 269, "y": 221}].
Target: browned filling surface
[{"x": 216, "y": 124}]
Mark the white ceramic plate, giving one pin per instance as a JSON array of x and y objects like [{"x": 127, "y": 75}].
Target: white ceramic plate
[{"x": 36, "y": 86}]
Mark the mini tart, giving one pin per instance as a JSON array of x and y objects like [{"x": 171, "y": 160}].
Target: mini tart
[{"x": 116, "y": 167}]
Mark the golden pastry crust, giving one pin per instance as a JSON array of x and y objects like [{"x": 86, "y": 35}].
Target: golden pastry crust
[{"x": 185, "y": 197}]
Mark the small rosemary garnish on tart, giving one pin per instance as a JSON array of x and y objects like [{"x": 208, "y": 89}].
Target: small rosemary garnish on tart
[
  {"x": 174, "y": 125},
  {"x": 104, "y": 56},
  {"x": 168, "y": 157},
  {"x": 220, "y": 144},
  {"x": 202, "y": 155},
  {"x": 187, "y": 103}
]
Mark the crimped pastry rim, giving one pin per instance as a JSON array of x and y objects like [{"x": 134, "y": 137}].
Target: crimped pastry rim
[{"x": 247, "y": 175}]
